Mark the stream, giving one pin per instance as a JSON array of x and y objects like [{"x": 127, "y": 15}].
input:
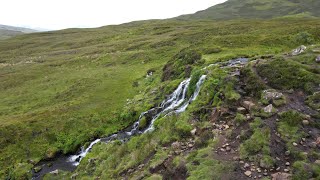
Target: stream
[{"x": 177, "y": 102}]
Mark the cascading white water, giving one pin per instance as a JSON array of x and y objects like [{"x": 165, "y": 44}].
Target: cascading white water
[{"x": 176, "y": 103}]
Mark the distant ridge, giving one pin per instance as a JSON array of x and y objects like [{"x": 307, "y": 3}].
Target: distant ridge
[
  {"x": 10, "y": 31},
  {"x": 258, "y": 9}
]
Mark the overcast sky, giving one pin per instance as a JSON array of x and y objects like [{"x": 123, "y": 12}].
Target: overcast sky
[{"x": 60, "y": 14}]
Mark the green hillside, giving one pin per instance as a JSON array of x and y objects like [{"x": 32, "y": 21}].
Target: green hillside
[
  {"x": 59, "y": 90},
  {"x": 258, "y": 9}
]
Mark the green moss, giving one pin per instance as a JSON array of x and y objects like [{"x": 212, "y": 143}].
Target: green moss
[
  {"x": 301, "y": 170},
  {"x": 288, "y": 125},
  {"x": 258, "y": 142},
  {"x": 286, "y": 74},
  {"x": 193, "y": 82},
  {"x": 202, "y": 165},
  {"x": 254, "y": 86},
  {"x": 314, "y": 100},
  {"x": 240, "y": 119},
  {"x": 143, "y": 123}
]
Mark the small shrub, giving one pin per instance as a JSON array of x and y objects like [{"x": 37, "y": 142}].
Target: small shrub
[{"x": 304, "y": 38}]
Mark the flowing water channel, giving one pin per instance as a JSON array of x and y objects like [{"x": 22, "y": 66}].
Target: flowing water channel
[{"x": 177, "y": 102}]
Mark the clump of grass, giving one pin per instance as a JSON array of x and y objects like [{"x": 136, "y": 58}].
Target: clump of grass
[
  {"x": 286, "y": 74},
  {"x": 288, "y": 126},
  {"x": 240, "y": 119},
  {"x": 254, "y": 86},
  {"x": 202, "y": 165}
]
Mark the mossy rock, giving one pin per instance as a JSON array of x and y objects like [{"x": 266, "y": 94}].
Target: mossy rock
[
  {"x": 143, "y": 123},
  {"x": 274, "y": 97}
]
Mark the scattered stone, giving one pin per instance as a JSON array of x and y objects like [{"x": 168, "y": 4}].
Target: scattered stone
[
  {"x": 141, "y": 166},
  {"x": 74, "y": 176},
  {"x": 228, "y": 149},
  {"x": 248, "y": 105},
  {"x": 268, "y": 109},
  {"x": 287, "y": 164},
  {"x": 226, "y": 126},
  {"x": 248, "y": 173},
  {"x": 271, "y": 94},
  {"x": 294, "y": 144},
  {"x": 318, "y": 59},
  {"x": 299, "y": 50},
  {"x": 130, "y": 171},
  {"x": 286, "y": 170},
  {"x": 190, "y": 145},
  {"x": 287, "y": 153},
  {"x": 176, "y": 145},
  {"x": 259, "y": 176},
  {"x": 241, "y": 110},
  {"x": 265, "y": 174},
  {"x": 49, "y": 164},
  {"x": 278, "y": 169},
  {"x": 194, "y": 131},
  {"x": 281, "y": 176},
  {"x": 55, "y": 172},
  {"x": 303, "y": 139},
  {"x": 317, "y": 162},
  {"x": 236, "y": 158},
  {"x": 246, "y": 165},
  {"x": 222, "y": 150},
  {"x": 241, "y": 162},
  {"x": 259, "y": 170},
  {"x": 318, "y": 141},
  {"x": 305, "y": 122},
  {"x": 37, "y": 169}
]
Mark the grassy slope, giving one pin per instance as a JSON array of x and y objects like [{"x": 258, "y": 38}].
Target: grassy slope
[
  {"x": 233, "y": 9},
  {"x": 59, "y": 89}
]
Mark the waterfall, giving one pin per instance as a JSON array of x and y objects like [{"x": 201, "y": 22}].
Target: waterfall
[{"x": 176, "y": 103}]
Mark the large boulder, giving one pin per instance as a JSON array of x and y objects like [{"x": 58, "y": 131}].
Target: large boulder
[{"x": 299, "y": 50}]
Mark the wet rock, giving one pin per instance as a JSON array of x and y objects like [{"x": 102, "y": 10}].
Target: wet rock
[
  {"x": 318, "y": 59},
  {"x": 248, "y": 105},
  {"x": 299, "y": 50},
  {"x": 55, "y": 172},
  {"x": 248, "y": 173},
  {"x": 37, "y": 169},
  {"x": 194, "y": 132},
  {"x": 305, "y": 122},
  {"x": 281, "y": 176},
  {"x": 74, "y": 176}
]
